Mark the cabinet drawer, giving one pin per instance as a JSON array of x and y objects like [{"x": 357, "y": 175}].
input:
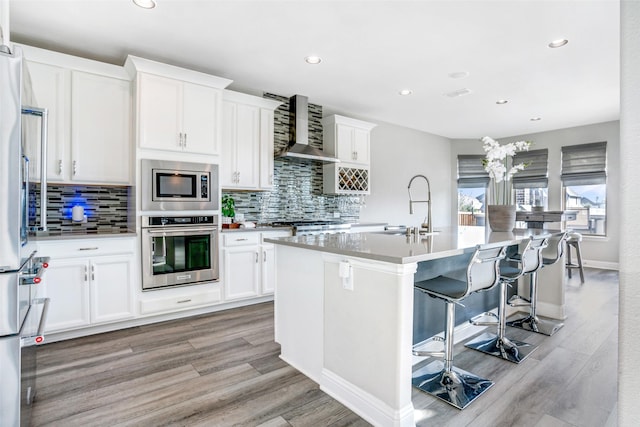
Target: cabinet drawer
[
  {"x": 86, "y": 247},
  {"x": 180, "y": 302},
  {"x": 241, "y": 239}
]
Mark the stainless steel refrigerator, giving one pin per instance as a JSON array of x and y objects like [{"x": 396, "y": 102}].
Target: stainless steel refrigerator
[{"x": 22, "y": 313}]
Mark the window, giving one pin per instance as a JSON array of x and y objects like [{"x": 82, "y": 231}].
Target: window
[
  {"x": 472, "y": 190},
  {"x": 531, "y": 184},
  {"x": 584, "y": 179}
]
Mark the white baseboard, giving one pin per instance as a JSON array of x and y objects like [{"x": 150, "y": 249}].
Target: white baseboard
[
  {"x": 364, "y": 404},
  {"x": 605, "y": 265}
]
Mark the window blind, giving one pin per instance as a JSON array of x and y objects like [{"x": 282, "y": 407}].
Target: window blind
[
  {"x": 471, "y": 173},
  {"x": 536, "y": 174},
  {"x": 584, "y": 164}
]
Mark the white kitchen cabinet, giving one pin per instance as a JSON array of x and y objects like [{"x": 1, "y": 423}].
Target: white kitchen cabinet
[
  {"x": 177, "y": 115},
  {"x": 240, "y": 146},
  {"x": 249, "y": 264},
  {"x": 100, "y": 129},
  {"x": 247, "y": 142},
  {"x": 88, "y": 290},
  {"x": 89, "y": 128},
  {"x": 347, "y": 139}
]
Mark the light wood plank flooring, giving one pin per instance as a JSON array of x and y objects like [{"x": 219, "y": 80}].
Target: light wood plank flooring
[{"x": 223, "y": 369}]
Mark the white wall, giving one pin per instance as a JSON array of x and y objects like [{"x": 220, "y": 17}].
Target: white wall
[
  {"x": 597, "y": 251},
  {"x": 629, "y": 329},
  {"x": 397, "y": 154},
  {"x": 4, "y": 20}
]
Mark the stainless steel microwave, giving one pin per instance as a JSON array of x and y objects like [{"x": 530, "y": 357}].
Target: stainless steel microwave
[{"x": 178, "y": 186}]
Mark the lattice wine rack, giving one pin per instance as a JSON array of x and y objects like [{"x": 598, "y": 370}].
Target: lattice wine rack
[{"x": 352, "y": 179}]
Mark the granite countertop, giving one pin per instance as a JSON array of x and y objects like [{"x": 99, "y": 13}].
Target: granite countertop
[
  {"x": 398, "y": 248},
  {"x": 84, "y": 234}
]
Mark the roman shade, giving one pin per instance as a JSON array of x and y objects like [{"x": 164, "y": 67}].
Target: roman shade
[
  {"x": 471, "y": 173},
  {"x": 535, "y": 175},
  {"x": 584, "y": 164}
]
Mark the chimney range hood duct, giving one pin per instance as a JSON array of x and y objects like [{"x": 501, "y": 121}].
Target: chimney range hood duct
[{"x": 298, "y": 147}]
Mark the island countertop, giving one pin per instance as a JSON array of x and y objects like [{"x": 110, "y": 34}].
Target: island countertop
[{"x": 401, "y": 249}]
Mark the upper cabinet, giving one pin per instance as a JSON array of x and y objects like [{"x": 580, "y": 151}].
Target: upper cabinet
[
  {"x": 177, "y": 109},
  {"x": 347, "y": 139},
  {"x": 247, "y": 142},
  {"x": 89, "y": 126},
  {"x": 177, "y": 116}
]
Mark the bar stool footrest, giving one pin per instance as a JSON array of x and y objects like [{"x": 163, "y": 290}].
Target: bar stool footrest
[
  {"x": 535, "y": 324},
  {"x": 518, "y": 301},
  {"x": 504, "y": 348},
  {"x": 456, "y": 387},
  {"x": 476, "y": 320},
  {"x": 429, "y": 353}
]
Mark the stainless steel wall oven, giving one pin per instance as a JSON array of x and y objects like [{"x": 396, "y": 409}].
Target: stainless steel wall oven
[{"x": 179, "y": 250}]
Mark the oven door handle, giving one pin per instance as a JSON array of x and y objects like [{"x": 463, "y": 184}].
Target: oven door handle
[{"x": 182, "y": 230}]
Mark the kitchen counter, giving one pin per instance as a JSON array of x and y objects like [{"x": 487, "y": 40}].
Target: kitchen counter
[
  {"x": 259, "y": 228},
  {"x": 397, "y": 248},
  {"x": 65, "y": 235},
  {"x": 344, "y": 309}
]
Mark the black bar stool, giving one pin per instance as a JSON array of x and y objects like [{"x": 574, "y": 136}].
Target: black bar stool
[
  {"x": 531, "y": 322},
  {"x": 573, "y": 240},
  {"x": 511, "y": 269},
  {"x": 440, "y": 378}
]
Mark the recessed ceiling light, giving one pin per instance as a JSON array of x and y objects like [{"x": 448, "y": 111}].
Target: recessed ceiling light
[
  {"x": 501, "y": 101},
  {"x": 146, "y": 4},
  {"x": 558, "y": 43},
  {"x": 313, "y": 59},
  {"x": 405, "y": 92},
  {"x": 459, "y": 74},
  {"x": 457, "y": 93},
  {"x": 535, "y": 119}
]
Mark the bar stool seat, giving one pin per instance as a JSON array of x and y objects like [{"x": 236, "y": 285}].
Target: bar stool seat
[
  {"x": 511, "y": 269},
  {"x": 551, "y": 254},
  {"x": 573, "y": 240},
  {"x": 440, "y": 378}
]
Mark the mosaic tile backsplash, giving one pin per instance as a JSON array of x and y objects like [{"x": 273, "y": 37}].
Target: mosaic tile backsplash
[
  {"x": 106, "y": 208},
  {"x": 297, "y": 186}
]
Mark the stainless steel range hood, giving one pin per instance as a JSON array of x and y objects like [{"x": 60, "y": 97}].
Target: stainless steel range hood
[{"x": 298, "y": 147}]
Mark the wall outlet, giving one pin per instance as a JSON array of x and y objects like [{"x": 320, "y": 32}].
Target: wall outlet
[{"x": 336, "y": 214}]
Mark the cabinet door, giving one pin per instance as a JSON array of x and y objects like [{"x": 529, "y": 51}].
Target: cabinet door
[
  {"x": 266, "y": 149},
  {"x": 268, "y": 269},
  {"x": 201, "y": 106},
  {"x": 67, "y": 285},
  {"x": 344, "y": 143},
  {"x": 361, "y": 146},
  {"x": 241, "y": 272},
  {"x": 159, "y": 112},
  {"x": 228, "y": 145},
  {"x": 248, "y": 146},
  {"x": 100, "y": 130},
  {"x": 111, "y": 288},
  {"x": 50, "y": 90}
]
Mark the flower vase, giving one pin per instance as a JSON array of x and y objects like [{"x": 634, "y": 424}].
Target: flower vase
[{"x": 502, "y": 217}]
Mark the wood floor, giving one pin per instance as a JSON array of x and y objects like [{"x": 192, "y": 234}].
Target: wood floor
[{"x": 223, "y": 370}]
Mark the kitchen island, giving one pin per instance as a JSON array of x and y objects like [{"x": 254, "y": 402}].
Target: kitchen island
[{"x": 344, "y": 309}]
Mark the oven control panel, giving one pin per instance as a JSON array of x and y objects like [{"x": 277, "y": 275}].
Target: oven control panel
[{"x": 163, "y": 221}]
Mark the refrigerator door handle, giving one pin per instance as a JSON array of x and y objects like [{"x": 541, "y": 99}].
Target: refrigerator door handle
[{"x": 43, "y": 113}]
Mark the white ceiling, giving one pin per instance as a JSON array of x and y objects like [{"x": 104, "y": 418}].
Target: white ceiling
[{"x": 370, "y": 50}]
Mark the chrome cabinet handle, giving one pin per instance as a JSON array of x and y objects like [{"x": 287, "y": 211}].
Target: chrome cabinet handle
[
  {"x": 264, "y": 256},
  {"x": 257, "y": 257},
  {"x": 241, "y": 240},
  {"x": 94, "y": 248},
  {"x": 183, "y": 301},
  {"x": 185, "y": 140},
  {"x": 86, "y": 277},
  {"x": 180, "y": 143},
  {"x": 93, "y": 272},
  {"x": 75, "y": 168},
  {"x": 59, "y": 167}
]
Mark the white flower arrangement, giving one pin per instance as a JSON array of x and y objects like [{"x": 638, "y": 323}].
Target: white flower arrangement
[{"x": 497, "y": 162}]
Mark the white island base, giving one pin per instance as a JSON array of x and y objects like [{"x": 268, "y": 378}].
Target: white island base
[{"x": 346, "y": 321}]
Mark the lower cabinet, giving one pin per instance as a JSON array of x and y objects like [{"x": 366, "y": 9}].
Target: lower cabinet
[
  {"x": 86, "y": 291},
  {"x": 249, "y": 264}
]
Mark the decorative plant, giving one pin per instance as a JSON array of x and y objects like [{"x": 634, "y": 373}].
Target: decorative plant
[
  {"x": 498, "y": 162},
  {"x": 228, "y": 206}
]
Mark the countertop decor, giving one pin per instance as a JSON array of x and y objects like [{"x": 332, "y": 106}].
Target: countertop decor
[{"x": 498, "y": 162}]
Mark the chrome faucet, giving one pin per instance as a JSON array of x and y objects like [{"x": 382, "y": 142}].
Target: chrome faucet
[{"x": 428, "y": 201}]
